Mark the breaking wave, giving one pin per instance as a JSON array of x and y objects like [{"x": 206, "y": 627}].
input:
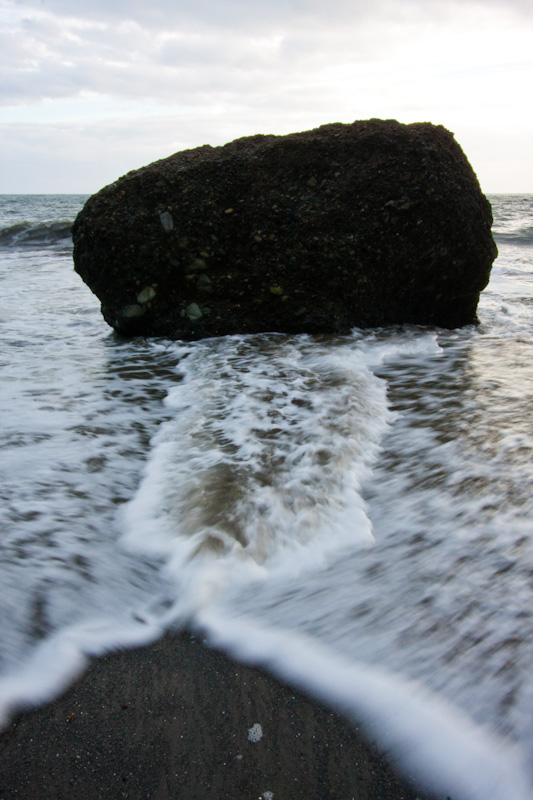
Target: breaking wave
[{"x": 37, "y": 234}]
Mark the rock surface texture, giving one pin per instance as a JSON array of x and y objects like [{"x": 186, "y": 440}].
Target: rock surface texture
[{"x": 369, "y": 224}]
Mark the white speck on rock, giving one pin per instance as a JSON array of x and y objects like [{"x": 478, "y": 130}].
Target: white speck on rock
[{"x": 255, "y": 733}]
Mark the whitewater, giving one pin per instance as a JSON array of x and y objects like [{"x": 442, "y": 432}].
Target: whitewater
[{"x": 351, "y": 512}]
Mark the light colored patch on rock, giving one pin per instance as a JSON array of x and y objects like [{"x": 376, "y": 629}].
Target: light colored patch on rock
[
  {"x": 198, "y": 264},
  {"x": 133, "y": 310},
  {"x": 193, "y": 311},
  {"x": 166, "y": 220},
  {"x": 147, "y": 294}
]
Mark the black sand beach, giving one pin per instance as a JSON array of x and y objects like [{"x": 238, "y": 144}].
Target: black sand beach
[{"x": 172, "y": 721}]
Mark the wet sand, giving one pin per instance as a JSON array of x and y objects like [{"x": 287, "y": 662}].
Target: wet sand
[{"x": 172, "y": 721}]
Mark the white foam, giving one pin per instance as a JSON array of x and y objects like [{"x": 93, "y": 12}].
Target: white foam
[
  {"x": 428, "y": 739},
  {"x": 225, "y": 522},
  {"x": 63, "y": 657},
  {"x": 255, "y": 733},
  {"x": 264, "y": 460},
  {"x": 252, "y": 502},
  {"x": 286, "y": 524}
]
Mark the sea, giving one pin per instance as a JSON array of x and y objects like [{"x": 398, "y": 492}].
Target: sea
[{"x": 353, "y": 513}]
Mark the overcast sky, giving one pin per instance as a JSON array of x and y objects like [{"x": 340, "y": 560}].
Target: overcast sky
[{"x": 91, "y": 89}]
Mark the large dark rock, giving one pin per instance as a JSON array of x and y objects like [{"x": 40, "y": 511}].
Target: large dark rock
[{"x": 368, "y": 224}]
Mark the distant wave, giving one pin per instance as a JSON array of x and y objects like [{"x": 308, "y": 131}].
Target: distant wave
[
  {"x": 37, "y": 234},
  {"x": 522, "y": 236}
]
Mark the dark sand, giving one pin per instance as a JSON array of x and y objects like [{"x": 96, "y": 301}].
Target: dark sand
[{"x": 171, "y": 721}]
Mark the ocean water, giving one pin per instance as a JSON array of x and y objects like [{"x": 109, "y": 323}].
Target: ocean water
[{"x": 352, "y": 512}]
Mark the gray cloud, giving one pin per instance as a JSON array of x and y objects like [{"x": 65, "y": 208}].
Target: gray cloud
[
  {"x": 65, "y": 58},
  {"x": 184, "y": 53},
  {"x": 260, "y": 17},
  {"x": 157, "y": 77}
]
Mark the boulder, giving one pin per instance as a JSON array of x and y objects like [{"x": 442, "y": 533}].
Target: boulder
[{"x": 368, "y": 224}]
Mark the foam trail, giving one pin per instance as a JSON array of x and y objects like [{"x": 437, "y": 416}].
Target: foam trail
[
  {"x": 264, "y": 459},
  {"x": 428, "y": 739}
]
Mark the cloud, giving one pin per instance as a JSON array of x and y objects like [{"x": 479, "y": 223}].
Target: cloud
[
  {"x": 203, "y": 15},
  {"x": 138, "y": 80},
  {"x": 169, "y": 52},
  {"x": 250, "y": 16}
]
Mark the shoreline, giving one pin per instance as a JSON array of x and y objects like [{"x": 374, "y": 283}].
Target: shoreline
[{"x": 170, "y": 721}]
